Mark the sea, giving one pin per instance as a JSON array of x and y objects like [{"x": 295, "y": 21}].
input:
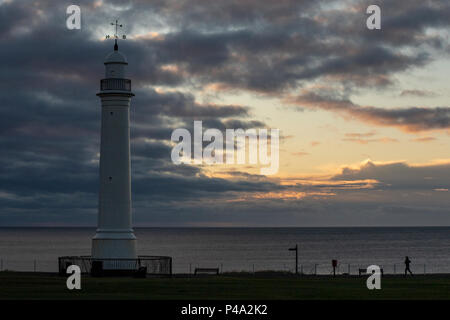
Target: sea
[{"x": 245, "y": 249}]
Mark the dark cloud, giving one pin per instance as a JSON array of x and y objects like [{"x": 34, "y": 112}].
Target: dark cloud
[
  {"x": 257, "y": 45},
  {"x": 411, "y": 119},
  {"x": 417, "y": 93},
  {"x": 182, "y": 105},
  {"x": 401, "y": 175},
  {"x": 360, "y": 135},
  {"x": 366, "y": 141},
  {"x": 424, "y": 139}
]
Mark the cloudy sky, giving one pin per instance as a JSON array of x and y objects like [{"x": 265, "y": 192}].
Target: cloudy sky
[{"x": 364, "y": 115}]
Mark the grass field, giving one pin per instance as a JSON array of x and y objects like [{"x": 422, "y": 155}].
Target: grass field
[{"x": 17, "y": 285}]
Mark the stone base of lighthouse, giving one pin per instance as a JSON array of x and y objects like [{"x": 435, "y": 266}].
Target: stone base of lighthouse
[
  {"x": 111, "y": 246},
  {"x": 114, "y": 245}
]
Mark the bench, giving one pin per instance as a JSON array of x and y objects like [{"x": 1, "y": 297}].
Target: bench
[
  {"x": 206, "y": 270},
  {"x": 364, "y": 271}
]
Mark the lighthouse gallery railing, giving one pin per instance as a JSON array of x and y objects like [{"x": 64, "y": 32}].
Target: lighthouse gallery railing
[{"x": 115, "y": 84}]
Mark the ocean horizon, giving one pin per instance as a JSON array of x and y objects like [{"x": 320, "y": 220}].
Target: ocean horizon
[{"x": 244, "y": 248}]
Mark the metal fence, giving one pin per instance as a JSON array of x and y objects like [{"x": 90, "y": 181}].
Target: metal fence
[
  {"x": 154, "y": 265},
  {"x": 163, "y": 266},
  {"x": 317, "y": 268},
  {"x": 356, "y": 269},
  {"x": 34, "y": 265}
]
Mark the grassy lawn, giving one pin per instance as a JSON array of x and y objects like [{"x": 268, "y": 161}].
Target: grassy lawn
[{"x": 16, "y": 285}]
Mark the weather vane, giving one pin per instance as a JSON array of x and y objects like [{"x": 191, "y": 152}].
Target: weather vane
[{"x": 117, "y": 25}]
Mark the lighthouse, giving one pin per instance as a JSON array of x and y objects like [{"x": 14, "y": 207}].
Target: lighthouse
[
  {"x": 113, "y": 249},
  {"x": 114, "y": 238}
]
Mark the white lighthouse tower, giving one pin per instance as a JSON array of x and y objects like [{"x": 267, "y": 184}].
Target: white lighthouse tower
[{"x": 114, "y": 238}]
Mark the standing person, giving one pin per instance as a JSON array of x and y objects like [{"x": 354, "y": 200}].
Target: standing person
[{"x": 407, "y": 263}]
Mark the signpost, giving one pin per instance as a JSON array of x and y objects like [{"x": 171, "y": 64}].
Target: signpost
[
  {"x": 296, "y": 257},
  {"x": 334, "y": 264}
]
